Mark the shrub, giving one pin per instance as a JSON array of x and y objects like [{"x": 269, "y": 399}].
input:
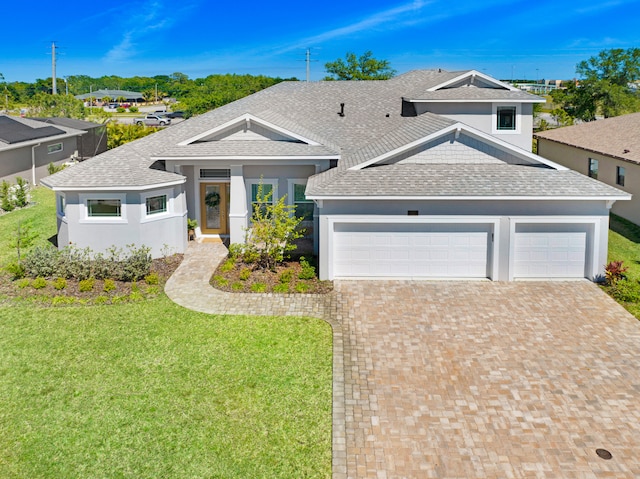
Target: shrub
[
  {"x": 59, "y": 283},
  {"x": 39, "y": 283},
  {"x": 74, "y": 262},
  {"x": 220, "y": 280},
  {"x": 235, "y": 251},
  {"x": 41, "y": 261},
  {"x": 302, "y": 287},
  {"x": 23, "y": 283},
  {"x": 102, "y": 299},
  {"x": 245, "y": 273},
  {"x": 135, "y": 288},
  {"x": 133, "y": 109},
  {"x": 120, "y": 109},
  {"x": 16, "y": 270},
  {"x": 626, "y": 291},
  {"x": 60, "y": 300},
  {"x": 138, "y": 263},
  {"x": 227, "y": 266},
  {"x": 86, "y": 285},
  {"x": 152, "y": 278},
  {"x": 136, "y": 296},
  {"x": 614, "y": 272},
  {"x": 307, "y": 271},
  {"x": 6, "y": 202},
  {"x": 258, "y": 287},
  {"x": 286, "y": 276},
  {"x": 109, "y": 285},
  {"x": 281, "y": 288},
  {"x": 237, "y": 286},
  {"x": 153, "y": 290},
  {"x": 21, "y": 192}
]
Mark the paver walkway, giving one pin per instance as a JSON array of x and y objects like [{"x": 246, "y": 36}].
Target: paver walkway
[{"x": 465, "y": 379}]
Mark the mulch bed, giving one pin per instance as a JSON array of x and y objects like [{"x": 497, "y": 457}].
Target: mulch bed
[
  {"x": 270, "y": 278},
  {"x": 163, "y": 267}
]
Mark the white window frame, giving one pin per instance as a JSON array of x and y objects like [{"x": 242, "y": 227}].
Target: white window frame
[
  {"x": 51, "y": 152},
  {"x": 61, "y": 204},
  {"x": 249, "y": 182},
  {"x": 494, "y": 119},
  {"x": 85, "y": 218},
  {"x": 291, "y": 182},
  {"x": 155, "y": 216}
]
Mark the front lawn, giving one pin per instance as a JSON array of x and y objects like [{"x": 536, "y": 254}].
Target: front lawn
[
  {"x": 624, "y": 245},
  {"x": 150, "y": 389}
]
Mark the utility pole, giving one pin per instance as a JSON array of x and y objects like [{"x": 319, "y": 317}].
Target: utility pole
[
  {"x": 54, "y": 89},
  {"x": 308, "y": 65}
]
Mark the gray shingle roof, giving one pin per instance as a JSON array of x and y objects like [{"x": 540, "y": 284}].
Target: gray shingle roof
[
  {"x": 476, "y": 94},
  {"x": 440, "y": 180},
  {"x": 31, "y": 126},
  {"x": 372, "y": 125},
  {"x": 618, "y": 137}
]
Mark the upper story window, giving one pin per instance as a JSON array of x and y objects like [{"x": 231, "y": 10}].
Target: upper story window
[
  {"x": 56, "y": 147},
  {"x": 506, "y": 118},
  {"x": 620, "y": 173},
  {"x": 593, "y": 168}
]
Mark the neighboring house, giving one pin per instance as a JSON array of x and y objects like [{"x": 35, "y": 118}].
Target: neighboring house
[
  {"x": 426, "y": 175},
  {"x": 607, "y": 150},
  {"x": 28, "y": 146},
  {"x": 92, "y": 143}
]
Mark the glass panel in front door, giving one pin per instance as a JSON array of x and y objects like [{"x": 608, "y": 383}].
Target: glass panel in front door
[{"x": 213, "y": 204}]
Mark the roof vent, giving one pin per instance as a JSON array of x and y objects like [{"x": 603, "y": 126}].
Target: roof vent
[
  {"x": 341, "y": 113},
  {"x": 626, "y": 151}
]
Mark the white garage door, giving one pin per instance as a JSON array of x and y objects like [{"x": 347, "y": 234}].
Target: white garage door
[
  {"x": 411, "y": 250},
  {"x": 550, "y": 254}
]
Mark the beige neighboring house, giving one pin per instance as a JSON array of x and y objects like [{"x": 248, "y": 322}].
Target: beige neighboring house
[{"x": 607, "y": 150}]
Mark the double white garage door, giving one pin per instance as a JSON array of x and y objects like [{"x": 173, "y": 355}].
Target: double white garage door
[{"x": 425, "y": 250}]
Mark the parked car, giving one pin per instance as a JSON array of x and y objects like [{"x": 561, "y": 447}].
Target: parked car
[
  {"x": 175, "y": 114},
  {"x": 113, "y": 105},
  {"x": 153, "y": 119}
]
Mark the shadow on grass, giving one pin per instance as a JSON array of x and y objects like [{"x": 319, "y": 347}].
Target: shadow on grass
[{"x": 626, "y": 228}]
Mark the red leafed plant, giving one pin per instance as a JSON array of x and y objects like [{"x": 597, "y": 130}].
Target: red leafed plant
[{"x": 614, "y": 272}]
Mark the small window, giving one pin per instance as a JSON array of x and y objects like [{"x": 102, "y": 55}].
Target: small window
[
  {"x": 506, "y": 118},
  {"x": 620, "y": 175},
  {"x": 104, "y": 208},
  {"x": 304, "y": 207},
  {"x": 54, "y": 148},
  {"x": 593, "y": 168},
  {"x": 215, "y": 173},
  {"x": 156, "y": 204},
  {"x": 267, "y": 193},
  {"x": 61, "y": 204}
]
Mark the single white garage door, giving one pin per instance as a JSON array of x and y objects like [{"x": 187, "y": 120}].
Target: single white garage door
[
  {"x": 411, "y": 250},
  {"x": 550, "y": 254}
]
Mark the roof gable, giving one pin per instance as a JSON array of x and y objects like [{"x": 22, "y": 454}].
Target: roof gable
[
  {"x": 473, "y": 78},
  {"x": 248, "y": 127}
]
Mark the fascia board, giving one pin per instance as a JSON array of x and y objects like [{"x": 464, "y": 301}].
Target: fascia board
[
  {"x": 535, "y": 99},
  {"x": 115, "y": 188},
  {"x": 245, "y": 157},
  {"x": 472, "y": 73},
  {"x": 470, "y": 198}
]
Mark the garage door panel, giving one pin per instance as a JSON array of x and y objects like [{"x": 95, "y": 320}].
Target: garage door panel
[
  {"x": 550, "y": 254},
  {"x": 415, "y": 251}
]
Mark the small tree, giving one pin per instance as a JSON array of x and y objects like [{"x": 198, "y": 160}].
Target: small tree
[
  {"x": 274, "y": 228},
  {"x": 21, "y": 192},
  {"x": 23, "y": 238},
  {"x": 6, "y": 201}
]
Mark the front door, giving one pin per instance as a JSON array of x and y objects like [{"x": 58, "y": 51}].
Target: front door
[{"x": 214, "y": 208}]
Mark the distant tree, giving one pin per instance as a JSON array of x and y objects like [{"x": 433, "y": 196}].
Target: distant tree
[
  {"x": 604, "y": 86},
  {"x": 364, "y": 67},
  {"x": 64, "y": 106},
  {"x": 119, "y": 133}
]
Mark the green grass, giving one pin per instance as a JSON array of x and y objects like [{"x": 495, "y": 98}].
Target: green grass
[
  {"x": 150, "y": 390},
  {"x": 624, "y": 244},
  {"x": 41, "y": 216}
]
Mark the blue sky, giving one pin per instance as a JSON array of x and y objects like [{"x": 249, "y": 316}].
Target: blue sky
[{"x": 530, "y": 39}]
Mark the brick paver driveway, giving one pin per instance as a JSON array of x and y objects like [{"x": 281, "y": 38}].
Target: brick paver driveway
[{"x": 488, "y": 380}]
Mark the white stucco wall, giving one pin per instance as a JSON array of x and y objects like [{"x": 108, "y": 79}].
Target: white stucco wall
[
  {"x": 164, "y": 232},
  {"x": 590, "y": 216}
]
